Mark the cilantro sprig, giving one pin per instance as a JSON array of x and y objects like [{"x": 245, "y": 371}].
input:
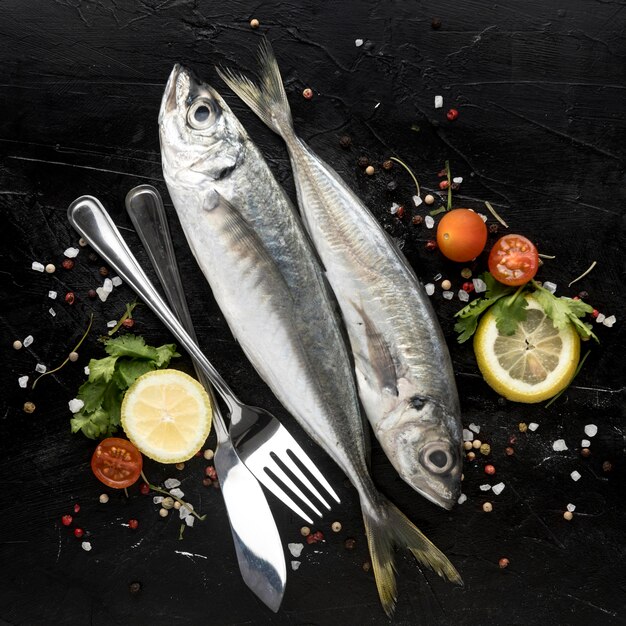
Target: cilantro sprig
[
  {"x": 110, "y": 377},
  {"x": 509, "y": 309}
]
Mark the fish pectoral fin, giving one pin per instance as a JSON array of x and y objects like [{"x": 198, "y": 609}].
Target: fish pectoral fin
[{"x": 379, "y": 362}]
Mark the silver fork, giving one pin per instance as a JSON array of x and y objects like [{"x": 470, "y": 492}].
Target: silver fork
[{"x": 260, "y": 440}]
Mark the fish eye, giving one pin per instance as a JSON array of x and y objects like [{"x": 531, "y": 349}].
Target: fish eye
[
  {"x": 200, "y": 114},
  {"x": 418, "y": 402},
  {"x": 437, "y": 458}
]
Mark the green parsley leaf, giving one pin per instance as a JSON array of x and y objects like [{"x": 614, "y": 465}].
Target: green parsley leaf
[
  {"x": 129, "y": 370},
  {"x": 509, "y": 312},
  {"x": 93, "y": 425},
  {"x": 102, "y": 369},
  {"x": 112, "y": 406},
  {"x": 132, "y": 346},
  {"x": 165, "y": 353},
  {"x": 91, "y": 394}
]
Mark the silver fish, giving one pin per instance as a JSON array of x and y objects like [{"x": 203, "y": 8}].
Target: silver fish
[
  {"x": 403, "y": 368},
  {"x": 248, "y": 241}
]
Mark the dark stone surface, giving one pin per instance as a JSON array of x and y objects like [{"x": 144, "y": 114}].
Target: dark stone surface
[{"x": 540, "y": 90}]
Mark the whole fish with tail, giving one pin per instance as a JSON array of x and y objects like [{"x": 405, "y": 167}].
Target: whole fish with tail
[
  {"x": 403, "y": 367},
  {"x": 248, "y": 241}
]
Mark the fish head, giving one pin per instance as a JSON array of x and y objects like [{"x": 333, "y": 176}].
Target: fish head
[
  {"x": 427, "y": 441},
  {"x": 201, "y": 139}
]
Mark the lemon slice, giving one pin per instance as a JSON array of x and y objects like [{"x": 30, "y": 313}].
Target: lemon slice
[
  {"x": 532, "y": 365},
  {"x": 167, "y": 415}
]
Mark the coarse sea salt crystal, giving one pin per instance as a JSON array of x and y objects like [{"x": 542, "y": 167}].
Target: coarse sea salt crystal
[
  {"x": 437, "y": 277},
  {"x": 429, "y": 221},
  {"x": 102, "y": 294},
  {"x": 189, "y": 520},
  {"x": 75, "y": 405},
  {"x": 533, "y": 426},
  {"x": 479, "y": 285},
  {"x": 462, "y": 498},
  {"x": 40, "y": 369},
  {"x": 417, "y": 200},
  {"x": 177, "y": 492},
  {"x": 108, "y": 285},
  {"x": 498, "y": 489},
  {"x": 559, "y": 445},
  {"x": 571, "y": 507},
  {"x": 22, "y": 381},
  {"x": 185, "y": 511},
  {"x": 458, "y": 180},
  {"x": 116, "y": 280},
  {"x": 438, "y": 102},
  {"x": 609, "y": 321},
  {"x": 295, "y": 549},
  {"x": 430, "y": 289},
  {"x": 295, "y": 565},
  {"x": 28, "y": 341},
  {"x": 585, "y": 443},
  {"x": 468, "y": 435},
  {"x": 52, "y": 294},
  {"x": 52, "y": 312},
  {"x": 394, "y": 208},
  {"x": 38, "y": 267},
  {"x": 157, "y": 499},
  {"x": 575, "y": 475},
  {"x": 86, "y": 546},
  {"x": 86, "y": 370},
  {"x": 485, "y": 487},
  {"x": 474, "y": 427},
  {"x": 463, "y": 295},
  {"x": 448, "y": 295},
  {"x": 111, "y": 323},
  {"x": 70, "y": 253},
  {"x": 600, "y": 319},
  {"x": 591, "y": 430},
  {"x": 483, "y": 217},
  {"x": 170, "y": 483},
  {"x": 358, "y": 43},
  {"x": 548, "y": 286}
]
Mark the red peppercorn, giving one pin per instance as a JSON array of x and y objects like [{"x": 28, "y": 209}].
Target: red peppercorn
[
  {"x": 431, "y": 244},
  {"x": 468, "y": 286},
  {"x": 144, "y": 489},
  {"x": 452, "y": 114},
  {"x": 92, "y": 294},
  {"x": 503, "y": 563},
  {"x": 490, "y": 469},
  {"x": 68, "y": 264},
  {"x": 133, "y": 524},
  {"x": 78, "y": 533},
  {"x": 443, "y": 184},
  {"x": 509, "y": 451},
  {"x": 76, "y": 508},
  {"x": 69, "y": 297},
  {"x": 315, "y": 537},
  {"x": 417, "y": 219},
  {"x": 595, "y": 313},
  {"x": 129, "y": 322},
  {"x": 442, "y": 173},
  {"x": 400, "y": 212},
  {"x": 66, "y": 520},
  {"x": 307, "y": 93},
  {"x": 210, "y": 472}
]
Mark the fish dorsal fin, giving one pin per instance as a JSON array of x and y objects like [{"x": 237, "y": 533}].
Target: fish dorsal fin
[{"x": 378, "y": 360}]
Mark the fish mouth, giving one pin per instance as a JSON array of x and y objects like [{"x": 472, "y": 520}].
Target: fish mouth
[
  {"x": 445, "y": 501},
  {"x": 183, "y": 85}
]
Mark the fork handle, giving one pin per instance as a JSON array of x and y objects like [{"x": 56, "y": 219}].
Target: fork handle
[{"x": 93, "y": 223}]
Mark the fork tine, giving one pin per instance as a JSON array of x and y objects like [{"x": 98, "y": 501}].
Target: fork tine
[
  {"x": 294, "y": 469},
  {"x": 257, "y": 467},
  {"x": 303, "y": 457}
]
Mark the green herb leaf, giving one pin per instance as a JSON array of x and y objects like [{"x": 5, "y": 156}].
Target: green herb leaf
[
  {"x": 91, "y": 394},
  {"x": 132, "y": 346},
  {"x": 165, "y": 353},
  {"x": 92, "y": 424},
  {"x": 129, "y": 370},
  {"x": 112, "y": 406},
  {"x": 102, "y": 369},
  {"x": 509, "y": 312}
]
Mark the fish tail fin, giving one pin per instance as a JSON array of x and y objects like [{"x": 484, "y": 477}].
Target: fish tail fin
[
  {"x": 268, "y": 98},
  {"x": 387, "y": 528}
]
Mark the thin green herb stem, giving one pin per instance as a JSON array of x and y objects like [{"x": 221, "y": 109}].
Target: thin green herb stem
[
  {"x": 519, "y": 290},
  {"x": 56, "y": 369},
  {"x": 171, "y": 495},
  {"x": 127, "y": 314},
  {"x": 408, "y": 169},
  {"x": 580, "y": 365}
]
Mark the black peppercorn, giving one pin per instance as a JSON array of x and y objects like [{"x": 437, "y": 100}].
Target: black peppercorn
[
  {"x": 134, "y": 587},
  {"x": 104, "y": 271},
  {"x": 92, "y": 294},
  {"x": 363, "y": 161},
  {"x": 93, "y": 257},
  {"x": 350, "y": 543},
  {"x": 436, "y": 23},
  {"x": 345, "y": 141},
  {"x": 388, "y": 164},
  {"x": 493, "y": 228},
  {"x": 583, "y": 295}
]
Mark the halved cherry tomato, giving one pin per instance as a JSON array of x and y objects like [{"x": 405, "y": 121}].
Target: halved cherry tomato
[
  {"x": 461, "y": 235},
  {"x": 116, "y": 462},
  {"x": 513, "y": 260}
]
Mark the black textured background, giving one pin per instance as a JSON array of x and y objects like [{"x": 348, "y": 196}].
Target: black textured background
[{"x": 540, "y": 90}]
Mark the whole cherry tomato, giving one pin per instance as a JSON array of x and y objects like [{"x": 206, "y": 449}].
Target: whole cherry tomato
[
  {"x": 461, "y": 235},
  {"x": 513, "y": 260},
  {"x": 116, "y": 462}
]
